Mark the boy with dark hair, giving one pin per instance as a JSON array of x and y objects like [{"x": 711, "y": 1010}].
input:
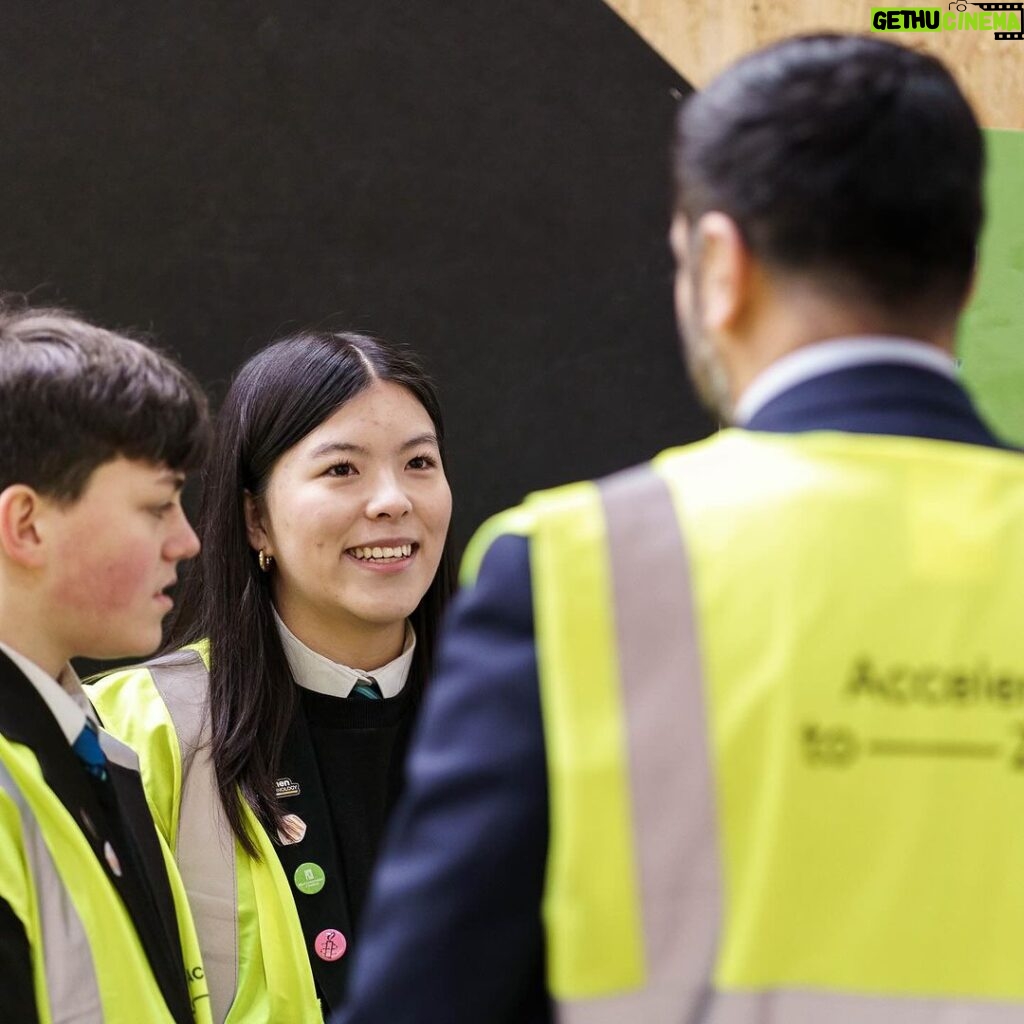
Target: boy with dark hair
[{"x": 96, "y": 434}]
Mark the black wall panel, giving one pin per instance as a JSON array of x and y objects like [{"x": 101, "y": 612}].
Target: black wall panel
[{"x": 485, "y": 181}]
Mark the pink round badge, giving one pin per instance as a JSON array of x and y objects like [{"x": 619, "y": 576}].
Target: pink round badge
[
  {"x": 330, "y": 944},
  {"x": 112, "y": 861}
]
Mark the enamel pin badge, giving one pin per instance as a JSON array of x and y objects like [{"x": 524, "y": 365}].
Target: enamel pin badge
[
  {"x": 286, "y": 787},
  {"x": 112, "y": 860},
  {"x": 330, "y": 944},
  {"x": 292, "y": 830}
]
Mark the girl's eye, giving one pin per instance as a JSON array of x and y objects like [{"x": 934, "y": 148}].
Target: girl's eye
[
  {"x": 341, "y": 469},
  {"x": 422, "y": 462},
  {"x": 159, "y": 511}
]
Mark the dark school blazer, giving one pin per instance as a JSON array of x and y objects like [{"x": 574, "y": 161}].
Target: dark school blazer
[{"x": 119, "y": 814}]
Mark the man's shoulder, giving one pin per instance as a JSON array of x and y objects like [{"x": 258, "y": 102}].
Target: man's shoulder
[
  {"x": 882, "y": 398},
  {"x": 501, "y": 544},
  {"x": 732, "y": 465}
]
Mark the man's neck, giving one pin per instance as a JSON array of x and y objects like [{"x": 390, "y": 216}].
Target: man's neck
[{"x": 798, "y": 318}]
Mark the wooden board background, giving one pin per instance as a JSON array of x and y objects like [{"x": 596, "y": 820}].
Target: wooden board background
[{"x": 699, "y": 39}]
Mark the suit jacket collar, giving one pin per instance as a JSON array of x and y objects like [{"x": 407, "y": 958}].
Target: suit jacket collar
[
  {"x": 64, "y": 695},
  {"x": 830, "y": 354},
  {"x": 878, "y": 398}
]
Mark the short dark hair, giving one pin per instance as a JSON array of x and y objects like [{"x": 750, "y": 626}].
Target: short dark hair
[
  {"x": 847, "y": 158},
  {"x": 278, "y": 397},
  {"x": 74, "y": 396}
]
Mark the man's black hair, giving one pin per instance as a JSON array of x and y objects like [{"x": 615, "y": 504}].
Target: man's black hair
[
  {"x": 844, "y": 158},
  {"x": 74, "y": 396}
]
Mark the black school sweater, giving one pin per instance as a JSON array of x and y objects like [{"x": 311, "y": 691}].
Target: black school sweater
[{"x": 360, "y": 748}]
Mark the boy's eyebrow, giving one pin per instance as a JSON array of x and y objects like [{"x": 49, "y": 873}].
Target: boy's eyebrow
[{"x": 174, "y": 477}]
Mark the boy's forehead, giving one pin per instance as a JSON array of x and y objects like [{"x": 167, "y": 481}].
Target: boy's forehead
[
  {"x": 161, "y": 473},
  {"x": 140, "y": 472}
]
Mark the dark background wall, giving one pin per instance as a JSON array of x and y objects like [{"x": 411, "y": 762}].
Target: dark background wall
[{"x": 484, "y": 181}]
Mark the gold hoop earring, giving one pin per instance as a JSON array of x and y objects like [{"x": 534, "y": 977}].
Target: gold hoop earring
[{"x": 265, "y": 560}]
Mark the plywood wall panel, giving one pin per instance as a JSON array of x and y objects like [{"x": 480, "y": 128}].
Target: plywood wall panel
[{"x": 699, "y": 39}]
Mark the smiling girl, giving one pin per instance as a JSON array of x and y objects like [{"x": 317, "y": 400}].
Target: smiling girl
[{"x": 272, "y": 736}]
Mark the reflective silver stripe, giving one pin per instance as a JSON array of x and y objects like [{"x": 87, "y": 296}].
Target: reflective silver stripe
[
  {"x": 670, "y": 784},
  {"x": 118, "y": 752},
  {"x": 207, "y": 867},
  {"x": 71, "y": 984}
]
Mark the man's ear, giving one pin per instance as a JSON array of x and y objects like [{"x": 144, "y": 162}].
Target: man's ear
[
  {"x": 725, "y": 271},
  {"x": 22, "y": 533},
  {"x": 254, "y": 528}
]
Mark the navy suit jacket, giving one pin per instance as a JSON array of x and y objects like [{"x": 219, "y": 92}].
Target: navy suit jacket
[{"x": 453, "y": 933}]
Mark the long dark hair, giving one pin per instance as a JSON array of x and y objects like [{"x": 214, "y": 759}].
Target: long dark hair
[{"x": 279, "y": 396}]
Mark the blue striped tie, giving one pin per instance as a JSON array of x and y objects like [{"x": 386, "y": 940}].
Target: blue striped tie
[
  {"x": 367, "y": 689},
  {"x": 87, "y": 747}
]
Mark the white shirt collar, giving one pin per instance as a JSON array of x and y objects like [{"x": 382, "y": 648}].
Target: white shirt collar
[
  {"x": 312, "y": 671},
  {"x": 836, "y": 354},
  {"x": 64, "y": 696}
]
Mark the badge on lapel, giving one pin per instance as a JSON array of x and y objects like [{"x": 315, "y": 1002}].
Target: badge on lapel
[
  {"x": 292, "y": 830},
  {"x": 286, "y": 787}
]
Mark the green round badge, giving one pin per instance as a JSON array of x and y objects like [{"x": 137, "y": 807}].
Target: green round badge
[{"x": 309, "y": 878}]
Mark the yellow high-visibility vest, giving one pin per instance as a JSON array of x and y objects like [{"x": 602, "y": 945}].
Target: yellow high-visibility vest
[
  {"x": 87, "y": 960},
  {"x": 782, "y": 682},
  {"x": 249, "y": 933}
]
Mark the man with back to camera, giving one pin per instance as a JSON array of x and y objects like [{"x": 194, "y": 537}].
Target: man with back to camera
[
  {"x": 732, "y": 736},
  {"x": 96, "y": 432}
]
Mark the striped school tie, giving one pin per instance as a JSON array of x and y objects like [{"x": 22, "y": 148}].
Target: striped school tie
[{"x": 367, "y": 689}]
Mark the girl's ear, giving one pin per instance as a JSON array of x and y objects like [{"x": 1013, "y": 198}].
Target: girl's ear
[{"x": 254, "y": 527}]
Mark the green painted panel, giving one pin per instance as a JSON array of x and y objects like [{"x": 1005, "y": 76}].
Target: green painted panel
[{"x": 991, "y": 339}]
